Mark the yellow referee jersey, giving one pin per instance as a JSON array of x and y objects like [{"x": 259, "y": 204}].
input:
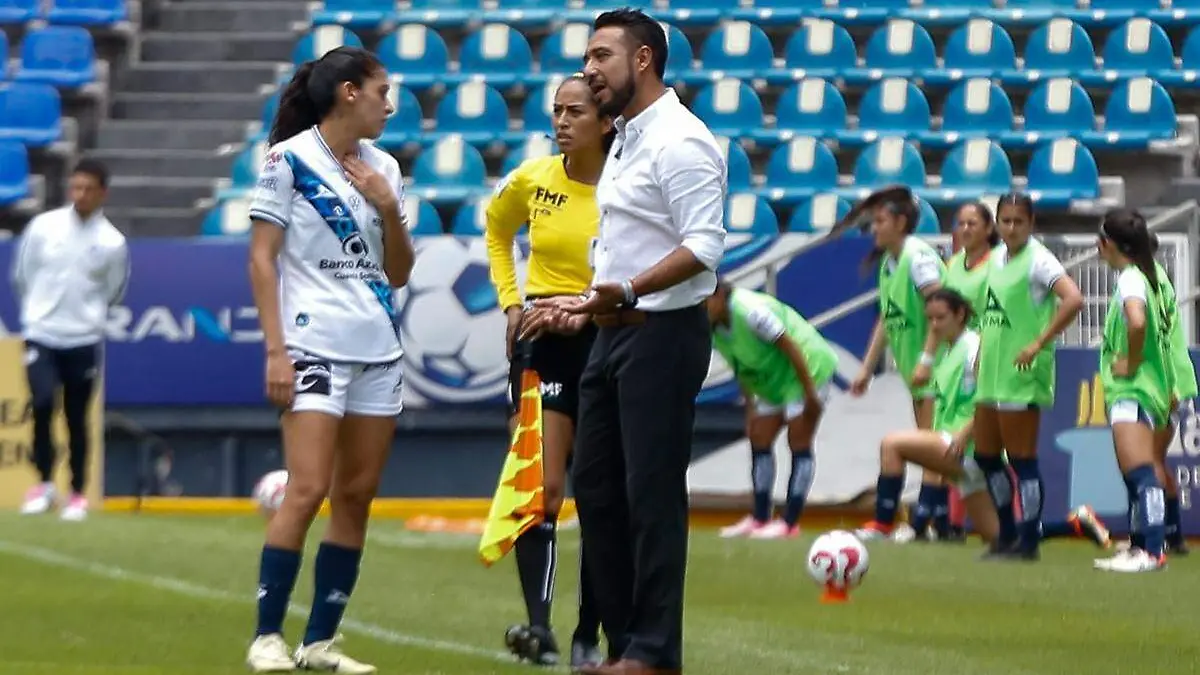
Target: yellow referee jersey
[{"x": 563, "y": 219}]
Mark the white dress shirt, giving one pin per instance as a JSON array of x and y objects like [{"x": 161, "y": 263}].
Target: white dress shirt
[
  {"x": 663, "y": 187},
  {"x": 66, "y": 274}
]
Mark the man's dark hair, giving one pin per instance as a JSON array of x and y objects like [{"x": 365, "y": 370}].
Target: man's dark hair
[
  {"x": 641, "y": 31},
  {"x": 93, "y": 168}
]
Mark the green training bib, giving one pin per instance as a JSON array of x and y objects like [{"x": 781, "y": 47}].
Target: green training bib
[
  {"x": 1150, "y": 385},
  {"x": 970, "y": 283},
  {"x": 902, "y": 310},
  {"x": 1183, "y": 371},
  {"x": 954, "y": 387}
]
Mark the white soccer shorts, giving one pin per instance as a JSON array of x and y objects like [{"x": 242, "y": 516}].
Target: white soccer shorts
[
  {"x": 792, "y": 410},
  {"x": 972, "y": 480},
  {"x": 339, "y": 389},
  {"x": 1129, "y": 411}
]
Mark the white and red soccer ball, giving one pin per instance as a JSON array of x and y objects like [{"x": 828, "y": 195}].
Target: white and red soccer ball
[
  {"x": 838, "y": 561},
  {"x": 268, "y": 493}
]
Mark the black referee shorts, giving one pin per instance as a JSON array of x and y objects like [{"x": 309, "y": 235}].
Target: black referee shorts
[{"x": 559, "y": 361}]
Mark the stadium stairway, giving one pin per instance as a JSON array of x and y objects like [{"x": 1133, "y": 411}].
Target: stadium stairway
[{"x": 201, "y": 77}]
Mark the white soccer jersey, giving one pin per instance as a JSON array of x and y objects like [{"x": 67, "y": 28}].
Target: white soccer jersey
[{"x": 335, "y": 300}]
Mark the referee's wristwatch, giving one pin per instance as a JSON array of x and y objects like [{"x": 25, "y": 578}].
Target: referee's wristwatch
[{"x": 631, "y": 298}]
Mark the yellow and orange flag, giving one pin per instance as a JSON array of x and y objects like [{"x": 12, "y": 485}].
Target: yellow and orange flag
[{"x": 519, "y": 501}]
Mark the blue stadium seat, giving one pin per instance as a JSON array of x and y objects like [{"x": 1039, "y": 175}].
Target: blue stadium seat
[
  {"x": 871, "y": 11},
  {"x": 448, "y": 171},
  {"x": 471, "y": 218},
  {"x": 64, "y": 56},
  {"x": 535, "y": 145},
  {"x": 526, "y": 13},
  {"x": 439, "y": 12},
  {"x": 322, "y": 40},
  {"x": 947, "y": 12},
  {"x": 1123, "y": 9},
  {"x": 778, "y": 12},
  {"x": 972, "y": 169},
  {"x": 888, "y": 161},
  {"x": 497, "y": 51},
  {"x": 1188, "y": 75},
  {"x": 729, "y": 107},
  {"x": 229, "y": 217},
  {"x": 811, "y": 107},
  {"x": 680, "y": 57},
  {"x": 799, "y": 169},
  {"x": 1139, "y": 111},
  {"x": 745, "y": 213},
  {"x": 1137, "y": 47},
  {"x": 978, "y": 48},
  {"x": 247, "y": 164},
  {"x": 270, "y": 107},
  {"x": 737, "y": 164},
  {"x": 927, "y": 220},
  {"x": 819, "y": 48},
  {"x": 475, "y": 111},
  {"x": 977, "y": 107},
  {"x": 538, "y": 111},
  {"x": 1061, "y": 172},
  {"x": 17, "y": 11},
  {"x": 423, "y": 218},
  {"x": 899, "y": 48},
  {"x": 353, "y": 13},
  {"x": 1036, "y": 11},
  {"x": 818, "y": 213},
  {"x": 1058, "y": 48},
  {"x": 893, "y": 107},
  {"x": 417, "y": 54},
  {"x": 1056, "y": 108},
  {"x": 697, "y": 12},
  {"x": 30, "y": 114},
  {"x": 562, "y": 52},
  {"x": 85, "y": 12},
  {"x": 14, "y": 172},
  {"x": 404, "y": 126},
  {"x": 737, "y": 49}
]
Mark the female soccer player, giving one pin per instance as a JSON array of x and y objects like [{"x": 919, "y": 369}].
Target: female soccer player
[
  {"x": 556, "y": 196},
  {"x": 785, "y": 367},
  {"x": 1030, "y": 301},
  {"x": 948, "y": 449},
  {"x": 909, "y": 270},
  {"x": 329, "y": 244},
  {"x": 966, "y": 271},
  {"x": 1136, "y": 371}
]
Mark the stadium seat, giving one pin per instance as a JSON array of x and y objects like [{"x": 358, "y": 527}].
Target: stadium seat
[
  {"x": 538, "y": 111},
  {"x": 696, "y": 12},
  {"x": 1188, "y": 74},
  {"x": 322, "y": 40},
  {"x": 819, "y": 48},
  {"x": 17, "y": 11},
  {"x": 745, "y": 213},
  {"x": 433, "y": 13},
  {"x": 30, "y": 114},
  {"x": 535, "y": 145},
  {"x": 778, "y": 12},
  {"x": 64, "y": 56},
  {"x": 818, "y": 213},
  {"x": 977, "y": 107},
  {"x": 1139, "y": 111},
  {"x": 1035, "y": 11},
  {"x": 737, "y": 164},
  {"x": 230, "y": 216},
  {"x": 14, "y": 172},
  {"x": 353, "y": 13},
  {"x": 892, "y": 107},
  {"x": 947, "y": 12},
  {"x": 562, "y": 52},
  {"x": 448, "y": 171},
  {"x": 1137, "y": 47},
  {"x": 737, "y": 49},
  {"x": 1056, "y": 108},
  {"x": 927, "y": 220},
  {"x": 404, "y": 126},
  {"x": 474, "y": 111},
  {"x": 888, "y": 161},
  {"x": 423, "y": 218},
  {"x": 798, "y": 170},
  {"x": 1061, "y": 172},
  {"x": 978, "y": 48},
  {"x": 1058, "y": 48},
  {"x": 471, "y": 218},
  {"x": 680, "y": 57},
  {"x": 417, "y": 55},
  {"x": 729, "y": 107},
  {"x": 972, "y": 169},
  {"x": 811, "y": 107},
  {"x": 85, "y": 12},
  {"x": 532, "y": 13},
  {"x": 247, "y": 165},
  {"x": 871, "y": 11},
  {"x": 497, "y": 52},
  {"x": 899, "y": 48}
]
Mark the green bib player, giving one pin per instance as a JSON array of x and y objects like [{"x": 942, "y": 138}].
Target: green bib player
[
  {"x": 784, "y": 368},
  {"x": 967, "y": 270}
]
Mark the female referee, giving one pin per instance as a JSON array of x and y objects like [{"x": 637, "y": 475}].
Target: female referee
[
  {"x": 1136, "y": 372},
  {"x": 909, "y": 270},
  {"x": 329, "y": 243},
  {"x": 556, "y": 195},
  {"x": 1030, "y": 301},
  {"x": 785, "y": 367}
]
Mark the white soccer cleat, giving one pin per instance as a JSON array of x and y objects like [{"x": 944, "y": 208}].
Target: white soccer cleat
[
  {"x": 270, "y": 654},
  {"x": 903, "y": 534},
  {"x": 76, "y": 509},
  {"x": 38, "y": 499},
  {"x": 742, "y": 528},
  {"x": 1122, "y": 554},
  {"x": 325, "y": 655},
  {"x": 1136, "y": 561},
  {"x": 776, "y": 529}
]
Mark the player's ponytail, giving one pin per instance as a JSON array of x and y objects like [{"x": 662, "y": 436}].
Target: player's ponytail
[
  {"x": 312, "y": 92},
  {"x": 297, "y": 111},
  {"x": 1126, "y": 230}
]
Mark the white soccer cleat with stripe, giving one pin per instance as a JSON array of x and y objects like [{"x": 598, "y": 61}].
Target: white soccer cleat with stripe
[
  {"x": 39, "y": 499},
  {"x": 742, "y": 528},
  {"x": 325, "y": 655},
  {"x": 270, "y": 654}
]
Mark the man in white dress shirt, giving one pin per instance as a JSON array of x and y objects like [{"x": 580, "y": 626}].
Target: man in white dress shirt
[
  {"x": 70, "y": 266},
  {"x": 662, "y": 236}
]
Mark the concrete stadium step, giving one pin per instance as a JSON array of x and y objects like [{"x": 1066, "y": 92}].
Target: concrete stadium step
[
  {"x": 218, "y": 46},
  {"x": 152, "y": 192},
  {"x": 155, "y": 222},
  {"x": 171, "y": 135},
  {"x": 168, "y": 77},
  {"x": 174, "y": 163},
  {"x": 233, "y": 16},
  {"x": 156, "y": 106}
]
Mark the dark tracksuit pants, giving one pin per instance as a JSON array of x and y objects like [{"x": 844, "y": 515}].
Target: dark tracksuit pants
[
  {"x": 632, "y": 447},
  {"x": 75, "y": 371}
]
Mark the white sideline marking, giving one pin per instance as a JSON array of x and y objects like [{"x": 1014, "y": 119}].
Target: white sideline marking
[{"x": 206, "y": 593}]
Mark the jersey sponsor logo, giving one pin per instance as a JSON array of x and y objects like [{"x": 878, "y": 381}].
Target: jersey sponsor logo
[
  {"x": 994, "y": 314},
  {"x": 314, "y": 377},
  {"x": 893, "y": 317}
]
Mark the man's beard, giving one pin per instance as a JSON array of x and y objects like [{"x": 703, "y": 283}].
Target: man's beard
[{"x": 621, "y": 97}]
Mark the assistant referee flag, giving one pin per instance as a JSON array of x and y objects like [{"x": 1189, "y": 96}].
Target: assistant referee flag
[{"x": 519, "y": 501}]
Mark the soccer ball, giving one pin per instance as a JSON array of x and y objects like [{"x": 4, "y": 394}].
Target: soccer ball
[
  {"x": 268, "y": 493},
  {"x": 838, "y": 561},
  {"x": 451, "y": 323}
]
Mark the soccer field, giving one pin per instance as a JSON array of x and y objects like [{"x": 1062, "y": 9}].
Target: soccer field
[{"x": 158, "y": 595}]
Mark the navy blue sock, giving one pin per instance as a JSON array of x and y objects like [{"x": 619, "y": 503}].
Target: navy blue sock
[
  {"x": 277, "y": 572},
  {"x": 887, "y": 499},
  {"x": 1151, "y": 509},
  {"x": 941, "y": 511},
  {"x": 1000, "y": 488},
  {"x": 1136, "y": 538},
  {"x": 1058, "y": 530},
  {"x": 1173, "y": 528},
  {"x": 1029, "y": 491},
  {"x": 926, "y": 501},
  {"x": 762, "y": 479},
  {"x": 798, "y": 485},
  {"x": 335, "y": 575}
]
